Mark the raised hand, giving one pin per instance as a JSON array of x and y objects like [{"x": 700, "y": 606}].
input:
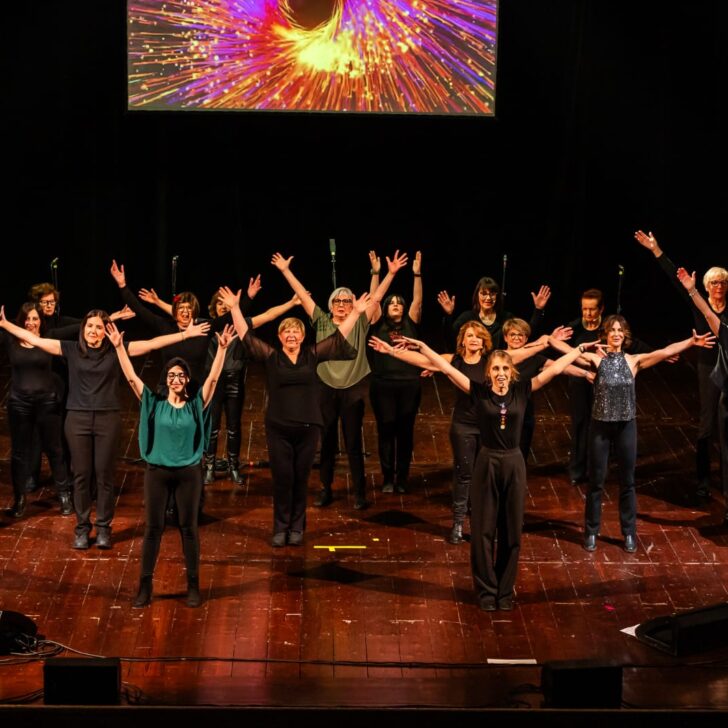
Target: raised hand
[
  {"x": 541, "y": 298},
  {"x": 648, "y": 240},
  {"x": 706, "y": 341},
  {"x": 417, "y": 264},
  {"x": 117, "y": 273},
  {"x": 362, "y": 303},
  {"x": 200, "y": 329},
  {"x": 2, "y": 315},
  {"x": 123, "y": 314},
  {"x": 254, "y": 287},
  {"x": 562, "y": 333},
  {"x": 686, "y": 279},
  {"x": 225, "y": 337},
  {"x": 447, "y": 302},
  {"x": 115, "y": 336},
  {"x": 228, "y": 297},
  {"x": 375, "y": 263},
  {"x": 397, "y": 262},
  {"x": 280, "y": 262},
  {"x": 149, "y": 295}
]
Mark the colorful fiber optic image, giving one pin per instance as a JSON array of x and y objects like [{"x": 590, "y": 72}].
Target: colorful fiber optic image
[{"x": 393, "y": 56}]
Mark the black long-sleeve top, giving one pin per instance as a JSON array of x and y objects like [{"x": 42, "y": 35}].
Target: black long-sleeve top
[{"x": 293, "y": 388}]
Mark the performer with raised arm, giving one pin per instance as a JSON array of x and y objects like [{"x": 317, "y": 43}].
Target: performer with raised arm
[
  {"x": 715, "y": 283},
  {"x": 487, "y": 308},
  {"x": 173, "y": 429},
  {"x": 719, "y": 375},
  {"x": 498, "y": 490},
  {"x": 396, "y": 387},
  {"x": 344, "y": 383},
  {"x": 614, "y": 423},
  {"x": 93, "y": 421},
  {"x": 293, "y": 417}
]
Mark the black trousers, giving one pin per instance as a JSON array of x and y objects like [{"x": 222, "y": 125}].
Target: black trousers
[
  {"x": 291, "y": 451},
  {"x": 581, "y": 395},
  {"x": 35, "y": 418},
  {"x": 395, "y": 403},
  {"x": 498, "y": 503},
  {"x": 708, "y": 424},
  {"x": 723, "y": 430},
  {"x": 465, "y": 442},
  {"x": 623, "y": 435},
  {"x": 93, "y": 439},
  {"x": 346, "y": 405},
  {"x": 184, "y": 485},
  {"x": 229, "y": 398},
  {"x": 529, "y": 426}
]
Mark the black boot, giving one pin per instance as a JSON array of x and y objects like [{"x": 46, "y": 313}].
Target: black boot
[
  {"x": 324, "y": 498},
  {"x": 209, "y": 476},
  {"x": 194, "y": 598},
  {"x": 234, "y": 469},
  {"x": 18, "y": 507},
  {"x": 456, "y": 533},
  {"x": 64, "y": 498},
  {"x": 144, "y": 595}
]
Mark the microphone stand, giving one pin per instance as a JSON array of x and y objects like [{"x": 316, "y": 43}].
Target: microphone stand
[
  {"x": 503, "y": 278},
  {"x": 332, "y": 250},
  {"x": 620, "y": 277},
  {"x": 175, "y": 258},
  {"x": 54, "y": 281}
]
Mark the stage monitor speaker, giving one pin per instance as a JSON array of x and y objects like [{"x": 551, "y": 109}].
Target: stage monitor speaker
[
  {"x": 686, "y": 633},
  {"x": 581, "y": 684},
  {"x": 82, "y": 681},
  {"x": 12, "y": 625}
]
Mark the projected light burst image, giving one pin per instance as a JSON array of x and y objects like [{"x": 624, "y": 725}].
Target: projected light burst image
[{"x": 394, "y": 56}]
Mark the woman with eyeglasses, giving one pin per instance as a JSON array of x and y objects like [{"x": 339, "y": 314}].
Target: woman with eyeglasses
[
  {"x": 488, "y": 309},
  {"x": 93, "y": 418},
  {"x": 344, "y": 383},
  {"x": 173, "y": 432},
  {"x": 293, "y": 417},
  {"x": 715, "y": 283}
]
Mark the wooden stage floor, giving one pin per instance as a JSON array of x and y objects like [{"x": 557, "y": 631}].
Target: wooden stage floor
[{"x": 376, "y": 608}]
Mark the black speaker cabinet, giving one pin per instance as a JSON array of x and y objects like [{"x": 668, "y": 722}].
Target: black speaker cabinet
[
  {"x": 82, "y": 681},
  {"x": 12, "y": 625},
  {"x": 686, "y": 633},
  {"x": 581, "y": 684}
]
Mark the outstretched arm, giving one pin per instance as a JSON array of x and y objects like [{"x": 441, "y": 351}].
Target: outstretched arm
[
  {"x": 360, "y": 306},
  {"x": 275, "y": 312},
  {"x": 415, "y": 311},
  {"x": 395, "y": 264},
  {"x": 642, "y": 361},
  {"x": 688, "y": 282},
  {"x": 415, "y": 358},
  {"x": 149, "y": 295},
  {"x": 139, "y": 348},
  {"x": 232, "y": 301},
  {"x": 559, "y": 366},
  {"x": 284, "y": 266},
  {"x": 441, "y": 364},
  {"x": 50, "y": 346},
  {"x": 117, "y": 341},
  {"x": 223, "y": 341}
]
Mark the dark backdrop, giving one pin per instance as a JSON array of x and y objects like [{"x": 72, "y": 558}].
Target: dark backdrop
[{"x": 610, "y": 116}]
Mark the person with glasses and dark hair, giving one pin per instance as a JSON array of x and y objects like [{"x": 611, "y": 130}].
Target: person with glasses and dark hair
[
  {"x": 715, "y": 283},
  {"x": 93, "y": 419},
  {"x": 487, "y": 308},
  {"x": 173, "y": 433},
  {"x": 344, "y": 383}
]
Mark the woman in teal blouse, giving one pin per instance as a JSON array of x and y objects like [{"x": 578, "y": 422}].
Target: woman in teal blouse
[{"x": 173, "y": 433}]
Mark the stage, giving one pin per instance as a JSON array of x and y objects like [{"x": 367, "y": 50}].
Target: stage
[{"x": 376, "y": 610}]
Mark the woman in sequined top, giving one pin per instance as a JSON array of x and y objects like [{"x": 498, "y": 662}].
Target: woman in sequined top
[{"x": 614, "y": 422}]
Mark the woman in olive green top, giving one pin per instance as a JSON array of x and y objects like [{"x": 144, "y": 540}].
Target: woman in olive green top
[{"x": 173, "y": 433}]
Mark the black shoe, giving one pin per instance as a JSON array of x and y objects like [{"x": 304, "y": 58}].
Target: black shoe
[
  {"x": 456, "y": 533},
  {"x": 103, "y": 538},
  {"x": 360, "y": 503},
  {"x": 194, "y": 598},
  {"x": 487, "y": 604},
  {"x": 388, "y": 488},
  {"x": 144, "y": 596},
  {"x": 66, "y": 505},
  {"x": 630, "y": 543},
  {"x": 18, "y": 508},
  {"x": 324, "y": 498},
  {"x": 279, "y": 539},
  {"x": 209, "y": 474},
  {"x": 80, "y": 541},
  {"x": 295, "y": 538},
  {"x": 505, "y": 604},
  {"x": 235, "y": 476},
  {"x": 590, "y": 542}
]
